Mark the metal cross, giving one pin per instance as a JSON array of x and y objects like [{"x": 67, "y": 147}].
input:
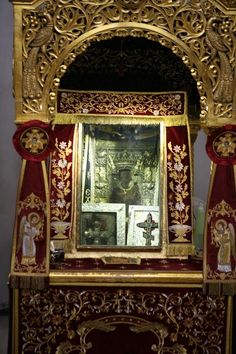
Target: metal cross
[{"x": 148, "y": 225}]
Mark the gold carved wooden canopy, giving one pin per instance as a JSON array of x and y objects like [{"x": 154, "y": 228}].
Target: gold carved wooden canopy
[{"x": 49, "y": 35}]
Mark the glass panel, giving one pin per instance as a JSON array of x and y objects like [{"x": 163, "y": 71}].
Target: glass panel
[{"x": 120, "y": 186}]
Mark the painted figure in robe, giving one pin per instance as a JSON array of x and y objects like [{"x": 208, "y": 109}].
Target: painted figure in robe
[
  {"x": 126, "y": 191},
  {"x": 30, "y": 228},
  {"x": 224, "y": 238}
]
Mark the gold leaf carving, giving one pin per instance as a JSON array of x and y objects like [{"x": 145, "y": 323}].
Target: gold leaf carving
[{"x": 189, "y": 31}]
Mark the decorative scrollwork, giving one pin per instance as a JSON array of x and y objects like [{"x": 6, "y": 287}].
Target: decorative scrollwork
[
  {"x": 62, "y": 318},
  {"x": 222, "y": 209}
]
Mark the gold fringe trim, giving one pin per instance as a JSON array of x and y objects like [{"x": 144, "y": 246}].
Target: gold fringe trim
[
  {"x": 60, "y": 244},
  {"x": 66, "y": 118},
  {"x": 229, "y": 326},
  {"x": 219, "y": 288},
  {"x": 180, "y": 250},
  {"x": 229, "y": 289},
  {"x": 28, "y": 282}
]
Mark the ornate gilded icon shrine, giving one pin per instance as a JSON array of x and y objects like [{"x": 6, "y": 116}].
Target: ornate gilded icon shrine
[{"x": 110, "y": 253}]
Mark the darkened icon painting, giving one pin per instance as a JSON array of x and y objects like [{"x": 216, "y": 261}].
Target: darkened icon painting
[
  {"x": 126, "y": 190},
  {"x": 99, "y": 229},
  {"x": 120, "y": 166}
]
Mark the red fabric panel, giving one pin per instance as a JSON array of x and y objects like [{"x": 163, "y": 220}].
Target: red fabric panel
[
  {"x": 138, "y": 104},
  {"x": 220, "y": 242},
  {"x": 31, "y": 234},
  {"x": 221, "y": 211},
  {"x": 61, "y": 182},
  {"x": 223, "y": 186},
  {"x": 221, "y": 145},
  {"x": 121, "y": 320},
  {"x": 178, "y": 183}
]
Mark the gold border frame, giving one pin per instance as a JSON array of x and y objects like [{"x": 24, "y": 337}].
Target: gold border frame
[
  {"x": 132, "y": 254},
  {"x": 115, "y": 208},
  {"x": 133, "y": 278},
  {"x": 133, "y": 228}
]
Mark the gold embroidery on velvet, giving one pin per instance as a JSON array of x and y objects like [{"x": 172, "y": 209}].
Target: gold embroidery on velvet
[
  {"x": 63, "y": 317},
  {"x": 31, "y": 228},
  {"x": 179, "y": 188},
  {"x": 224, "y": 144},
  {"x": 32, "y": 201},
  {"x": 30, "y": 268},
  {"x": 30, "y": 232},
  {"x": 109, "y": 324},
  {"x": 222, "y": 209},
  {"x": 61, "y": 173},
  {"x": 222, "y": 237},
  {"x": 34, "y": 140},
  {"x": 128, "y": 104}
]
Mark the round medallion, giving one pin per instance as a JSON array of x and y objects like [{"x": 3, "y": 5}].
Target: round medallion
[
  {"x": 34, "y": 140},
  {"x": 221, "y": 146},
  {"x": 224, "y": 144}
]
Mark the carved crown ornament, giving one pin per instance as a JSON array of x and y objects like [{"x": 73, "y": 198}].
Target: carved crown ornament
[{"x": 52, "y": 34}]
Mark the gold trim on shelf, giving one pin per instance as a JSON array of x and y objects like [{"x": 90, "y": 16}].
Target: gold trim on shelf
[
  {"x": 121, "y": 260},
  {"x": 127, "y": 278},
  {"x": 180, "y": 250}
]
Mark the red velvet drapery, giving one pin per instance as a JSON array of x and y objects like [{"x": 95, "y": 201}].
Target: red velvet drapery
[{"x": 220, "y": 241}]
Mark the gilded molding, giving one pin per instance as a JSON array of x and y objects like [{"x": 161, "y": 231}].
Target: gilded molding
[
  {"x": 131, "y": 278},
  {"x": 54, "y": 33}
]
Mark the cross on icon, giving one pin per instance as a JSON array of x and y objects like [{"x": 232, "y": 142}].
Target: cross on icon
[{"x": 149, "y": 225}]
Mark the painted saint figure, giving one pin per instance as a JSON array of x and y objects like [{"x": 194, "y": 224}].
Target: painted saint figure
[{"x": 224, "y": 238}]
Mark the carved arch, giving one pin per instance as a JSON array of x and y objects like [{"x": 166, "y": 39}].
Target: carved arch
[
  {"x": 106, "y": 32},
  {"x": 202, "y": 33}
]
